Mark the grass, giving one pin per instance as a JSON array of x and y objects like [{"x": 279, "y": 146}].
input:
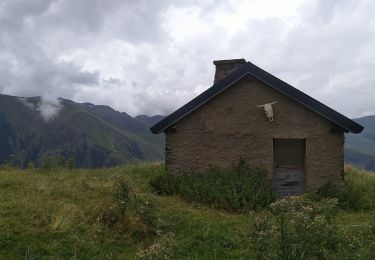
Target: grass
[
  {"x": 364, "y": 181},
  {"x": 53, "y": 214}
]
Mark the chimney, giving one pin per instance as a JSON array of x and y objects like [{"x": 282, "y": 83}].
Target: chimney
[{"x": 225, "y": 67}]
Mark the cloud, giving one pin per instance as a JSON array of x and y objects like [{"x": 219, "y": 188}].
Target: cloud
[
  {"x": 150, "y": 57},
  {"x": 14, "y": 13},
  {"x": 28, "y": 70},
  {"x": 48, "y": 107}
]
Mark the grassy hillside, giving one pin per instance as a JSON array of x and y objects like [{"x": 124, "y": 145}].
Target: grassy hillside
[
  {"x": 90, "y": 135},
  {"x": 59, "y": 214}
]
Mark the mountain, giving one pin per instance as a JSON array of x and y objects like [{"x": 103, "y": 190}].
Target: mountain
[
  {"x": 360, "y": 148},
  {"x": 149, "y": 120},
  {"x": 32, "y": 129}
]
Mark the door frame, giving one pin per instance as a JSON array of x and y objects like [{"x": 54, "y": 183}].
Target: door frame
[{"x": 304, "y": 182}]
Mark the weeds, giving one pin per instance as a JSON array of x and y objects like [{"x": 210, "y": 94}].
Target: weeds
[
  {"x": 121, "y": 192},
  {"x": 163, "y": 248},
  {"x": 237, "y": 188},
  {"x": 128, "y": 211},
  {"x": 298, "y": 228},
  {"x": 351, "y": 195}
]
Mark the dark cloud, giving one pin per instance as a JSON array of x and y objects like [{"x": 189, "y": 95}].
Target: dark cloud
[
  {"x": 150, "y": 57},
  {"x": 27, "y": 70},
  {"x": 13, "y": 13}
]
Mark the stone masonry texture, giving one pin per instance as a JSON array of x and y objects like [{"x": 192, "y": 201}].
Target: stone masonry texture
[
  {"x": 225, "y": 67},
  {"x": 231, "y": 127}
]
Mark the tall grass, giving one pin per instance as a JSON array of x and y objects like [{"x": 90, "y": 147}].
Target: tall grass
[
  {"x": 54, "y": 214},
  {"x": 363, "y": 181},
  {"x": 65, "y": 217}
]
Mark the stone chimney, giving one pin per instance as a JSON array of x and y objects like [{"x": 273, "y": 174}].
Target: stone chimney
[{"x": 225, "y": 67}]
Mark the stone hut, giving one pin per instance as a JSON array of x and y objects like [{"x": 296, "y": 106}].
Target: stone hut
[{"x": 252, "y": 115}]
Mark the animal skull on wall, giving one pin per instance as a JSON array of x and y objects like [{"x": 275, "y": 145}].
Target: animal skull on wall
[{"x": 268, "y": 109}]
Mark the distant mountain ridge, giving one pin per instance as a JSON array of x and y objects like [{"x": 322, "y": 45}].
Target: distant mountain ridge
[
  {"x": 360, "y": 148},
  {"x": 92, "y": 135},
  {"x": 99, "y": 136}
]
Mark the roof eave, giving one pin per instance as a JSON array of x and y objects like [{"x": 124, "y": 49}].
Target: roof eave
[
  {"x": 238, "y": 75},
  {"x": 225, "y": 83}
]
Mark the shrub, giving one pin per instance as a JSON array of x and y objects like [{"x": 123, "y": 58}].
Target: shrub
[
  {"x": 356, "y": 193},
  {"x": 166, "y": 184},
  {"x": 298, "y": 228},
  {"x": 305, "y": 227},
  {"x": 30, "y": 167},
  {"x": 262, "y": 236},
  {"x": 121, "y": 192},
  {"x": 240, "y": 187},
  {"x": 111, "y": 214},
  {"x": 352, "y": 197},
  {"x": 349, "y": 195},
  {"x": 163, "y": 248},
  {"x": 147, "y": 212},
  {"x": 128, "y": 211},
  {"x": 51, "y": 162}
]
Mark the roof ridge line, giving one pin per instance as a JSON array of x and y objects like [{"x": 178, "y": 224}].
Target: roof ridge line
[{"x": 269, "y": 79}]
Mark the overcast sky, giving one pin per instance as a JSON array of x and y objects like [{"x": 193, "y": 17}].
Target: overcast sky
[{"x": 151, "y": 57}]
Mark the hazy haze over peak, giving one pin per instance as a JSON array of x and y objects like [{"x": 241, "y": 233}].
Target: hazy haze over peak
[{"x": 150, "y": 57}]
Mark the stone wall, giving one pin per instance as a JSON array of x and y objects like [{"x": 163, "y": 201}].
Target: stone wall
[
  {"x": 231, "y": 127},
  {"x": 225, "y": 67}
]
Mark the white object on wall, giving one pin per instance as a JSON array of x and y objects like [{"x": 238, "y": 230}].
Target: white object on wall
[{"x": 268, "y": 109}]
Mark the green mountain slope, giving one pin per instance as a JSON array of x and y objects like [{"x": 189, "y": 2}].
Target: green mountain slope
[
  {"x": 94, "y": 136},
  {"x": 98, "y": 136},
  {"x": 360, "y": 148}
]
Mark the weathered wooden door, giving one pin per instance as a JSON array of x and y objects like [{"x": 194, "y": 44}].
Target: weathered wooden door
[{"x": 289, "y": 166}]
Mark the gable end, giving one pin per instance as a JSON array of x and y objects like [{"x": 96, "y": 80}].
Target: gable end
[{"x": 335, "y": 117}]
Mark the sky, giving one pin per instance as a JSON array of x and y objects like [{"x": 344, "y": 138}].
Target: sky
[{"x": 151, "y": 57}]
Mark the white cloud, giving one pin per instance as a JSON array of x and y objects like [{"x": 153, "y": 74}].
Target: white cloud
[{"x": 48, "y": 106}]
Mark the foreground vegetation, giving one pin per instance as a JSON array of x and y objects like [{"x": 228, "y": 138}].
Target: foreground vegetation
[
  {"x": 237, "y": 188},
  {"x": 112, "y": 213}
]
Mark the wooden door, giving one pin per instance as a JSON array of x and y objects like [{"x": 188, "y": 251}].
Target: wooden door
[{"x": 289, "y": 166}]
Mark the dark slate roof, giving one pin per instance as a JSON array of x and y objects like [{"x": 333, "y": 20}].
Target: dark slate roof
[{"x": 250, "y": 69}]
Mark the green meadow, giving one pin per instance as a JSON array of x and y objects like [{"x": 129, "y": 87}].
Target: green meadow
[{"x": 113, "y": 214}]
